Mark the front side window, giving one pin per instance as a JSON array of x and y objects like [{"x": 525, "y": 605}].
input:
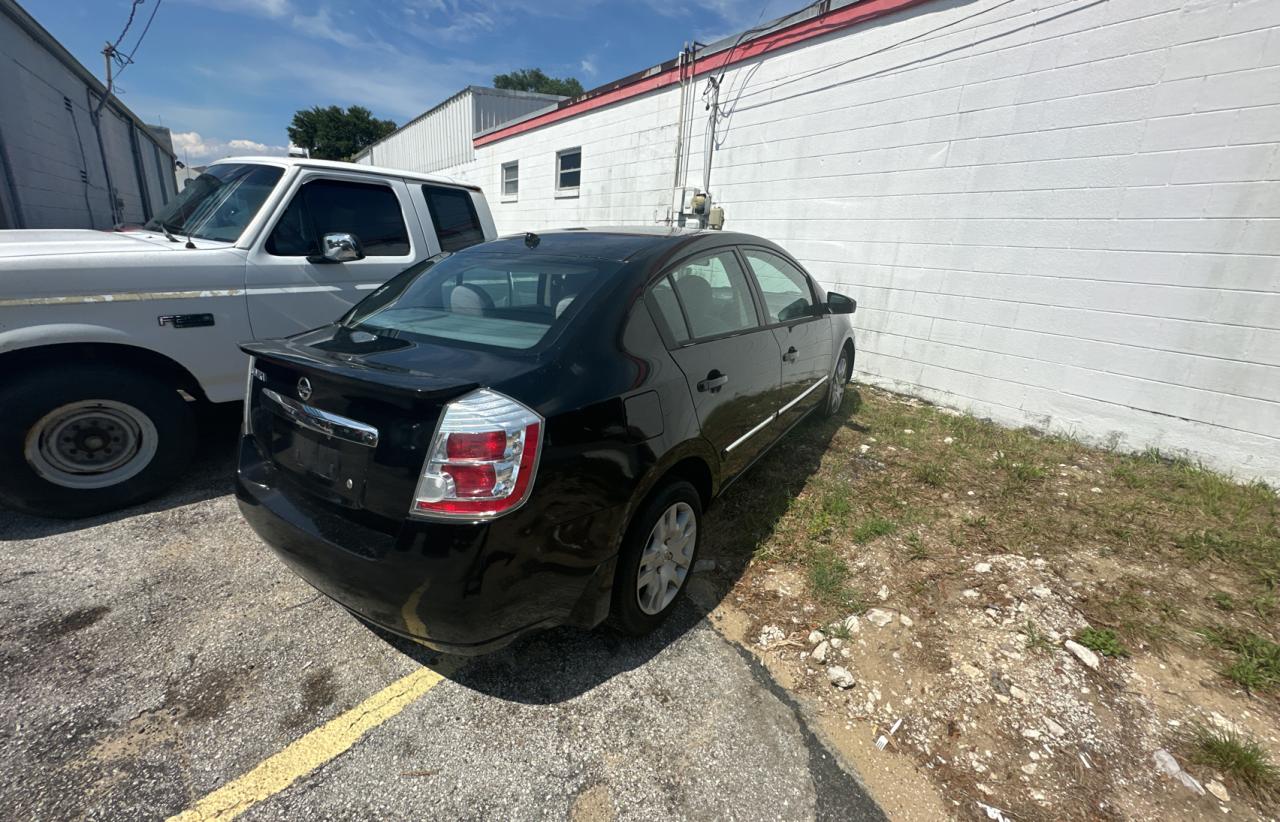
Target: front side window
[
  {"x": 785, "y": 288},
  {"x": 511, "y": 179},
  {"x": 502, "y": 300},
  {"x": 219, "y": 203},
  {"x": 714, "y": 294},
  {"x": 454, "y": 216},
  {"x": 568, "y": 169},
  {"x": 368, "y": 210}
]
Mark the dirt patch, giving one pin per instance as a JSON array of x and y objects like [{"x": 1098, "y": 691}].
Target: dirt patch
[
  {"x": 592, "y": 805},
  {"x": 204, "y": 696},
  {"x": 925, "y": 584}
]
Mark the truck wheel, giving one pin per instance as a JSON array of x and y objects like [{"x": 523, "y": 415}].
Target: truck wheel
[
  {"x": 77, "y": 441},
  {"x": 657, "y": 556}
]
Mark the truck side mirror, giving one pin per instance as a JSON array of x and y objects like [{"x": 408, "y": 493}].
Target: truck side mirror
[
  {"x": 840, "y": 304},
  {"x": 338, "y": 247}
]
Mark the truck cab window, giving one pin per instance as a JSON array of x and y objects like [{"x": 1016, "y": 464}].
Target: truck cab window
[{"x": 369, "y": 211}]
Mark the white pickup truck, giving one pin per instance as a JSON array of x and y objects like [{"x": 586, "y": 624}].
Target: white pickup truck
[{"x": 109, "y": 341}]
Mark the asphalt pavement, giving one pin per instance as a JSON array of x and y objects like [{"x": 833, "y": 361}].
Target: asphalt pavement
[{"x": 161, "y": 660}]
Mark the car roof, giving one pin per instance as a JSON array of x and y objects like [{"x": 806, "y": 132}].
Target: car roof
[
  {"x": 335, "y": 165},
  {"x": 619, "y": 243}
]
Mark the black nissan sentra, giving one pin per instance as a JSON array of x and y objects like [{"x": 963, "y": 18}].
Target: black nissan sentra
[{"x": 527, "y": 432}]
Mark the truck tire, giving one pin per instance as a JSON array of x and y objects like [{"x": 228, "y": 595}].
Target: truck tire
[{"x": 77, "y": 441}]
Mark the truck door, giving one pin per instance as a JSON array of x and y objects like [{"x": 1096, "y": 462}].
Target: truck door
[{"x": 290, "y": 288}]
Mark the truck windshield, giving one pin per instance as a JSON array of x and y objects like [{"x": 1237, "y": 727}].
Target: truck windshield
[
  {"x": 494, "y": 300},
  {"x": 219, "y": 203}
]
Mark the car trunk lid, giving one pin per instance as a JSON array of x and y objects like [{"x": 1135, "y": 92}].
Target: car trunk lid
[{"x": 348, "y": 417}]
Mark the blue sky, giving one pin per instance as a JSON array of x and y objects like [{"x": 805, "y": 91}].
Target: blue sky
[{"x": 227, "y": 75}]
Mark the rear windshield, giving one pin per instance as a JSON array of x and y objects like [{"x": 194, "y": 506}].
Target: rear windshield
[{"x": 495, "y": 300}]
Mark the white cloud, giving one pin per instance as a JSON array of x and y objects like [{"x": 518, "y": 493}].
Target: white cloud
[
  {"x": 588, "y": 67},
  {"x": 194, "y": 149}
]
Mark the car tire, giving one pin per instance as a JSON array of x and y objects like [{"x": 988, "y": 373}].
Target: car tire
[
  {"x": 839, "y": 380},
  {"x": 657, "y": 557},
  {"x": 79, "y": 441}
]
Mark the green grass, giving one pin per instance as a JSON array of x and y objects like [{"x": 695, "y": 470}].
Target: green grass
[
  {"x": 1036, "y": 640},
  {"x": 1256, "y": 666},
  {"x": 1243, "y": 762},
  {"x": 1223, "y": 601},
  {"x": 873, "y": 527},
  {"x": 1102, "y": 640},
  {"x": 1162, "y": 527},
  {"x": 930, "y": 473},
  {"x": 829, "y": 579}
]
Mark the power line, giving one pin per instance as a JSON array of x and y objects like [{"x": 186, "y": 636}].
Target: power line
[{"x": 128, "y": 60}]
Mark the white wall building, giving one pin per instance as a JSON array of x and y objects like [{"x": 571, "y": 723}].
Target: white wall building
[
  {"x": 59, "y": 166},
  {"x": 1062, "y": 213},
  {"x": 443, "y": 136}
]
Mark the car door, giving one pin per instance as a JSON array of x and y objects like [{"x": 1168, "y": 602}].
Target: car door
[
  {"x": 288, "y": 291},
  {"x": 794, "y": 314},
  {"x": 730, "y": 361}
]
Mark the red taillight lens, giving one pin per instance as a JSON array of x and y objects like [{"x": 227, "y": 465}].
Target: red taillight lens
[
  {"x": 489, "y": 445},
  {"x": 470, "y": 480},
  {"x": 482, "y": 460}
]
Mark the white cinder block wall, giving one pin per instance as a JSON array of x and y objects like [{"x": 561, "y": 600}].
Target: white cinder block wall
[{"x": 1063, "y": 214}]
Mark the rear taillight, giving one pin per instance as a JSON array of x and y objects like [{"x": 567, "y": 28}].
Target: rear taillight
[{"x": 482, "y": 460}]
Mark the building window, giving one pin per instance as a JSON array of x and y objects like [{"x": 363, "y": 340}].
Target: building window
[
  {"x": 568, "y": 170},
  {"x": 511, "y": 180}
]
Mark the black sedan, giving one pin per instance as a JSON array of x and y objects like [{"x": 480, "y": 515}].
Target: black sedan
[{"x": 526, "y": 433}]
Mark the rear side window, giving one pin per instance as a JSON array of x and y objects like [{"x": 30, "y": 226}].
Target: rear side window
[
  {"x": 662, "y": 298},
  {"x": 367, "y": 210},
  {"x": 714, "y": 294},
  {"x": 785, "y": 288},
  {"x": 454, "y": 215}
]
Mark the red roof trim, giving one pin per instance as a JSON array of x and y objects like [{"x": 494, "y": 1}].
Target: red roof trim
[{"x": 782, "y": 38}]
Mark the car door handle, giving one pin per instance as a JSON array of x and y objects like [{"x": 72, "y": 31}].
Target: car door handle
[
  {"x": 713, "y": 382},
  {"x": 791, "y": 354}
]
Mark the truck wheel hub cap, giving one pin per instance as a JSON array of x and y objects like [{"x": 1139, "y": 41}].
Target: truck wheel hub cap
[
  {"x": 91, "y": 444},
  {"x": 667, "y": 558}
]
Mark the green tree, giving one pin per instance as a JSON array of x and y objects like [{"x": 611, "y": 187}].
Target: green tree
[
  {"x": 534, "y": 79},
  {"x": 329, "y": 133}
]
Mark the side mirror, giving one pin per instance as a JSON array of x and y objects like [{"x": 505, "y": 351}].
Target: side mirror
[
  {"x": 840, "y": 304},
  {"x": 338, "y": 247}
]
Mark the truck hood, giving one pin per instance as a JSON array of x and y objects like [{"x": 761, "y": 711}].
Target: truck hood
[{"x": 41, "y": 242}]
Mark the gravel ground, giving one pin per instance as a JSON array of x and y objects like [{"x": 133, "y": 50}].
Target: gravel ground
[{"x": 151, "y": 656}]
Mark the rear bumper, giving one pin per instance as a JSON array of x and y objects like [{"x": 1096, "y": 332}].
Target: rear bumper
[{"x": 459, "y": 588}]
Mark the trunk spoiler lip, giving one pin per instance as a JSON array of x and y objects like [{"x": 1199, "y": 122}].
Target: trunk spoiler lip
[{"x": 418, "y": 383}]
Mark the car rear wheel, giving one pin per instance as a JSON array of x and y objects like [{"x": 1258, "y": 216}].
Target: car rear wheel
[
  {"x": 657, "y": 557},
  {"x": 839, "y": 381},
  {"x": 81, "y": 441}
]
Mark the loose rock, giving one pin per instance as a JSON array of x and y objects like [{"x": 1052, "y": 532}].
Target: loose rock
[
  {"x": 1218, "y": 790},
  {"x": 821, "y": 652},
  {"x": 1088, "y": 657},
  {"x": 852, "y": 624},
  {"x": 1054, "y": 727},
  {"x": 906, "y": 621},
  {"x": 840, "y": 677},
  {"x": 879, "y": 617},
  {"x": 769, "y": 635},
  {"x": 983, "y": 567},
  {"x": 815, "y": 637}
]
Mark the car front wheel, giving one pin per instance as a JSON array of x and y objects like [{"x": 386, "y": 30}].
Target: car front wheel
[
  {"x": 839, "y": 380},
  {"x": 657, "y": 557},
  {"x": 79, "y": 441}
]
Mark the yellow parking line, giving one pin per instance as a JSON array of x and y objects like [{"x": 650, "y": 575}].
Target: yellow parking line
[{"x": 313, "y": 750}]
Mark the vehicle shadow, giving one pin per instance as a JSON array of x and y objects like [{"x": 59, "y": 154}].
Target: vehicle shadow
[
  {"x": 210, "y": 474},
  {"x": 559, "y": 664}
]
